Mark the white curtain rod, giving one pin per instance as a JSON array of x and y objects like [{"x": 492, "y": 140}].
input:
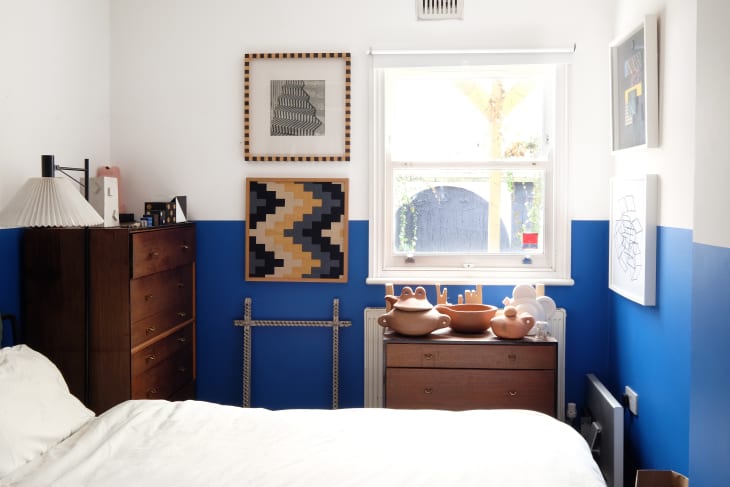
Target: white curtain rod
[{"x": 410, "y": 52}]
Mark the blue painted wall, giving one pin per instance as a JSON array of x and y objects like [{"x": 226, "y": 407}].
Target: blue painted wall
[
  {"x": 647, "y": 348},
  {"x": 9, "y": 277},
  {"x": 650, "y": 352},
  {"x": 587, "y": 306},
  {"x": 709, "y": 441},
  {"x": 291, "y": 367}
]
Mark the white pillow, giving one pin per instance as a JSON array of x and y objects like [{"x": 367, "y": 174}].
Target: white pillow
[{"x": 36, "y": 409}]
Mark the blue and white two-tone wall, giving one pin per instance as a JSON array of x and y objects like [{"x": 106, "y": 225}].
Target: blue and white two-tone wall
[
  {"x": 709, "y": 443},
  {"x": 157, "y": 89}
]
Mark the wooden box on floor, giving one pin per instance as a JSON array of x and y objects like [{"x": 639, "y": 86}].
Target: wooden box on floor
[{"x": 660, "y": 478}]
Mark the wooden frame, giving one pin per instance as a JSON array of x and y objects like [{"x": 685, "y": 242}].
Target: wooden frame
[
  {"x": 635, "y": 87},
  {"x": 297, "y": 106},
  {"x": 296, "y": 229},
  {"x": 632, "y": 239}
]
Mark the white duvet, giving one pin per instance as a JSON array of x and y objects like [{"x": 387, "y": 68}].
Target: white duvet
[{"x": 192, "y": 443}]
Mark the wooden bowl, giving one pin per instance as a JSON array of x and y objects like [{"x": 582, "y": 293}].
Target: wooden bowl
[{"x": 468, "y": 318}]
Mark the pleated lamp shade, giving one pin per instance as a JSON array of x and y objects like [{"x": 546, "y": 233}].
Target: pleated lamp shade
[{"x": 49, "y": 202}]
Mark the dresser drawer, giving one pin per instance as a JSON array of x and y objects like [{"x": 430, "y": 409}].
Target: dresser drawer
[
  {"x": 471, "y": 356},
  {"x": 160, "y": 302},
  {"x": 165, "y": 378},
  {"x": 470, "y": 389},
  {"x": 156, "y": 293},
  {"x": 155, "y": 325},
  {"x": 156, "y": 251},
  {"x": 148, "y": 357},
  {"x": 185, "y": 393}
]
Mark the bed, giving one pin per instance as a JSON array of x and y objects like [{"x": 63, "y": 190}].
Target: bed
[{"x": 47, "y": 437}]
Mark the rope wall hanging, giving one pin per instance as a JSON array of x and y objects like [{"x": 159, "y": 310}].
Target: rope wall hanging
[{"x": 247, "y": 323}]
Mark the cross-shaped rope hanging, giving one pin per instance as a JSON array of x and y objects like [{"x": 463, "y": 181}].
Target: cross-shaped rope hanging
[{"x": 335, "y": 324}]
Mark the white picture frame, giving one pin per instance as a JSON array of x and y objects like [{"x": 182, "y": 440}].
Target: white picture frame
[
  {"x": 635, "y": 87},
  {"x": 632, "y": 238}
]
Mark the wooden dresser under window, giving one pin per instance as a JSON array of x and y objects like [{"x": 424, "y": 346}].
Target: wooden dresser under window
[
  {"x": 445, "y": 370},
  {"x": 141, "y": 309}
]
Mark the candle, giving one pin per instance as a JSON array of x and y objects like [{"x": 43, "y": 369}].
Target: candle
[{"x": 441, "y": 297}]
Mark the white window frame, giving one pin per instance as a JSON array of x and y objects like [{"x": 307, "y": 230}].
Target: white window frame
[{"x": 556, "y": 224}]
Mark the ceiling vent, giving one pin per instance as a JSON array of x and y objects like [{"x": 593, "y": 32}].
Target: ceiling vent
[{"x": 440, "y": 9}]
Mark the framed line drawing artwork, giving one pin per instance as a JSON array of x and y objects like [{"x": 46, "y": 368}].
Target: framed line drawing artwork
[
  {"x": 296, "y": 230},
  {"x": 632, "y": 238},
  {"x": 297, "y": 106},
  {"x": 635, "y": 87}
]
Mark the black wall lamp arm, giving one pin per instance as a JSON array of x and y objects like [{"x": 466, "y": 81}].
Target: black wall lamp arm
[{"x": 49, "y": 167}]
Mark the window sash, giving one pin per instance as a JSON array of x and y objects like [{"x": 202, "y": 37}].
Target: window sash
[
  {"x": 443, "y": 77},
  {"x": 552, "y": 266},
  {"x": 478, "y": 181}
]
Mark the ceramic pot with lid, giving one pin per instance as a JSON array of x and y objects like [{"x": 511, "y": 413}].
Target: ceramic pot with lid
[
  {"x": 412, "y": 314},
  {"x": 511, "y": 324}
]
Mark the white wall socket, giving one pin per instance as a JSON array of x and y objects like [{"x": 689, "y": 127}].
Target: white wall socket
[{"x": 633, "y": 400}]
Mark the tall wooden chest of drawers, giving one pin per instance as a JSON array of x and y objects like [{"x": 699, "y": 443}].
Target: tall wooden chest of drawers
[
  {"x": 141, "y": 310},
  {"x": 452, "y": 371}
]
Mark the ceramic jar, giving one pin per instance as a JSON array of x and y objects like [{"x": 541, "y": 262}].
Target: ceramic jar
[
  {"x": 508, "y": 323},
  {"x": 412, "y": 314}
]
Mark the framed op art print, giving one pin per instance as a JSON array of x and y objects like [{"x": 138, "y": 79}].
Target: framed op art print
[{"x": 297, "y": 106}]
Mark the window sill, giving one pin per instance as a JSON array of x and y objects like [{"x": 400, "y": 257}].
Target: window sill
[{"x": 470, "y": 280}]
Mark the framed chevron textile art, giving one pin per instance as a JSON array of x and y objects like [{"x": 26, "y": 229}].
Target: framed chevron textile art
[
  {"x": 296, "y": 106},
  {"x": 296, "y": 229}
]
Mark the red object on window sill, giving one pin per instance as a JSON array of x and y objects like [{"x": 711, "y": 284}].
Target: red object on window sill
[{"x": 529, "y": 240}]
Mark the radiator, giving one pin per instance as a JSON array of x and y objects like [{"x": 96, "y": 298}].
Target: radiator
[
  {"x": 605, "y": 431},
  {"x": 374, "y": 366}
]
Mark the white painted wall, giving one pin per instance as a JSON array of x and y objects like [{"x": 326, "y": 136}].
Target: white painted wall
[
  {"x": 54, "y": 86},
  {"x": 712, "y": 174},
  {"x": 172, "y": 72},
  {"x": 674, "y": 159},
  {"x": 177, "y": 77}
]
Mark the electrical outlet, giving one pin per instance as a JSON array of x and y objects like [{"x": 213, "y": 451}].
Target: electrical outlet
[{"x": 632, "y": 398}]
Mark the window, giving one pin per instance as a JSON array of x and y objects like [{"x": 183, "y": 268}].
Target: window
[{"x": 468, "y": 171}]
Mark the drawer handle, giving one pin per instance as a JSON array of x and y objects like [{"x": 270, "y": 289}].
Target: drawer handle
[
  {"x": 154, "y": 253},
  {"x": 182, "y": 314},
  {"x": 151, "y": 357},
  {"x": 512, "y": 357},
  {"x": 428, "y": 390},
  {"x": 180, "y": 284},
  {"x": 152, "y": 392},
  {"x": 512, "y": 393},
  {"x": 184, "y": 246},
  {"x": 149, "y": 330},
  {"x": 182, "y": 369},
  {"x": 147, "y": 297},
  {"x": 182, "y": 340},
  {"x": 428, "y": 356}
]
